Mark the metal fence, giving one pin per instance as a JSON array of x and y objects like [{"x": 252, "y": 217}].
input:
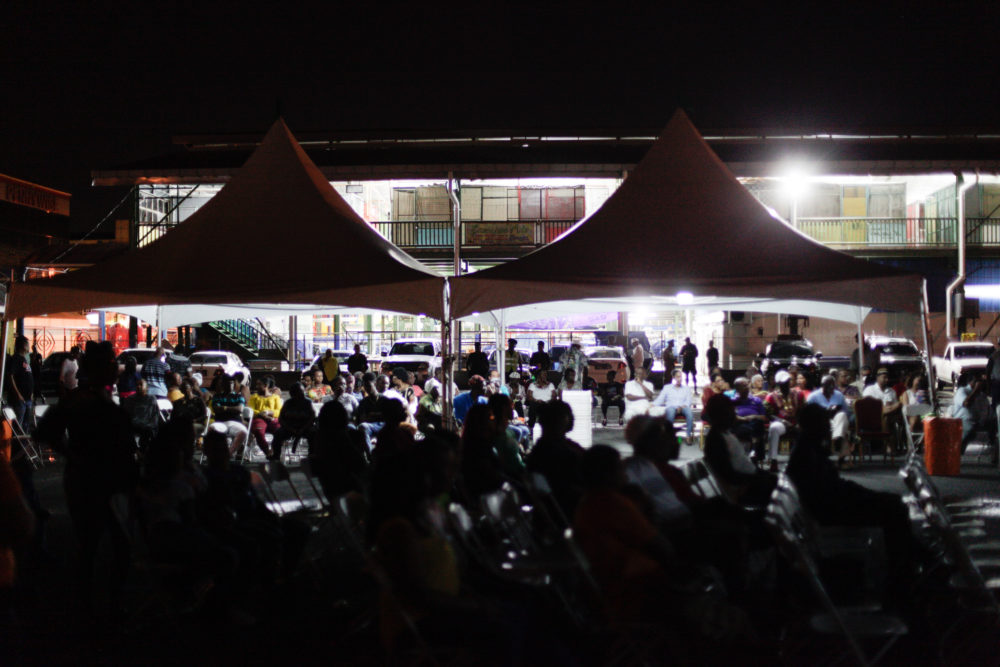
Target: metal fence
[
  {"x": 899, "y": 232},
  {"x": 512, "y": 233}
]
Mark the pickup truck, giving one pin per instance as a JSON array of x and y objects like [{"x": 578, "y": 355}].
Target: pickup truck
[
  {"x": 421, "y": 356},
  {"x": 958, "y": 358}
]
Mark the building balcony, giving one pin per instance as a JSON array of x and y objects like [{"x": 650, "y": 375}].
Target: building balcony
[
  {"x": 502, "y": 239},
  {"x": 900, "y": 233}
]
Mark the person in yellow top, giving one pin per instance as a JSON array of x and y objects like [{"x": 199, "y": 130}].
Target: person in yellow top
[
  {"x": 174, "y": 392},
  {"x": 266, "y": 405},
  {"x": 330, "y": 366},
  {"x": 319, "y": 391}
]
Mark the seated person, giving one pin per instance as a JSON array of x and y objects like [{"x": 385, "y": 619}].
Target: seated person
[
  {"x": 557, "y": 457},
  {"x": 539, "y": 392},
  {"x": 173, "y": 381},
  {"x": 612, "y": 396},
  {"x": 638, "y": 569},
  {"x": 227, "y": 411},
  {"x": 266, "y": 405},
  {"x": 345, "y": 398},
  {"x": 144, "y": 412},
  {"x": 751, "y": 417},
  {"x": 475, "y": 394},
  {"x": 830, "y": 399},
  {"x": 639, "y": 395},
  {"x": 780, "y": 406},
  {"x": 569, "y": 382},
  {"x": 191, "y": 405},
  {"x": 338, "y": 453},
  {"x": 892, "y": 409},
  {"x": 739, "y": 477},
  {"x": 294, "y": 421},
  {"x": 677, "y": 397},
  {"x": 832, "y": 500},
  {"x": 319, "y": 391},
  {"x": 430, "y": 410}
]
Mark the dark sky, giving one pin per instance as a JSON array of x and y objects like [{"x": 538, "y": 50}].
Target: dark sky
[{"x": 98, "y": 84}]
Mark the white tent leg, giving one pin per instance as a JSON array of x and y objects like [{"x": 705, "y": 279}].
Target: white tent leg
[
  {"x": 501, "y": 347},
  {"x": 928, "y": 352},
  {"x": 861, "y": 343},
  {"x": 447, "y": 363}
]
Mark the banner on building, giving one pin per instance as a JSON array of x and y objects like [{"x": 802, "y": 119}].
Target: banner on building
[{"x": 23, "y": 193}]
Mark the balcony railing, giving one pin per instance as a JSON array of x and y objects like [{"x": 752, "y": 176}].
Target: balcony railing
[
  {"x": 514, "y": 233},
  {"x": 900, "y": 232}
]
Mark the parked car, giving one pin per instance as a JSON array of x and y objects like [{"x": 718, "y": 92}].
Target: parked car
[
  {"x": 178, "y": 363},
  {"x": 786, "y": 350},
  {"x": 602, "y": 359},
  {"x": 206, "y": 361},
  {"x": 900, "y": 356},
  {"x": 961, "y": 357},
  {"x": 421, "y": 356},
  {"x": 48, "y": 378}
]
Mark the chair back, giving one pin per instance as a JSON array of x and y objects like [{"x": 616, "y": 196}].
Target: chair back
[
  {"x": 917, "y": 409},
  {"x": 868, "y": 411}
]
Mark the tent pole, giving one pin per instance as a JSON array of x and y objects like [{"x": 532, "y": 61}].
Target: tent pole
[
  {"x": 501, "y": 347},
  {"x": 447, "y": 363},
  {"x": 4, "y": 325},
  {"x": 928, "y": 353},
  {"x": 861, "y": 345}
]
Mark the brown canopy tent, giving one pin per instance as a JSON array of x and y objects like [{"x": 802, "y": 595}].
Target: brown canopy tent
[
  {"x": 278, "y": 233},
  {"x": 681, "y": 222}
]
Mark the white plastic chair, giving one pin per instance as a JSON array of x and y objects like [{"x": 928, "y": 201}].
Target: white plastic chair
[
  {"x": 914, "y": 440},
  {"x": 166, "y": 408}
]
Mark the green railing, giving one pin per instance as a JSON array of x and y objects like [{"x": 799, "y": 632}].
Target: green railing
[
  {"x": 252, "y": 335},
  {"x": 899, "y": 232}
]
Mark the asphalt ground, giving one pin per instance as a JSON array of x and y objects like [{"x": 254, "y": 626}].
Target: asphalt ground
[{"x": 308, "y": 620}]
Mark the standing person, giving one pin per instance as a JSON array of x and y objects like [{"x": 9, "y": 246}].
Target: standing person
[
  {"x": 993, "y": 377},
  {"x": 154, "y": 372},
  {"x": 21, "y": 384},
  {"x": 669, "y": 359},
  {"x": 540, "y": 360},
  {"x": 512, "y": 360},
  {"x": 330, "y": 365},
  {"x": 96, "y": 437},
  {"x": 67, "y": 372},
  {"x": 574, "y": 358},
  {"x": 357, "y": 362},
  {"x": 638, "y": 356},
  {"x": 712, "y": 356},
  {"x": 678, "y": 397},
  {"x": 688, "y": 355},
  {"x": 973, "y": 408},
  {"x": 477, "y": 363}
]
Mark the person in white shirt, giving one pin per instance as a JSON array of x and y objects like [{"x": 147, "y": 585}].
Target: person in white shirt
[
  {"x": 678, "y": 397},
  {"x": 892, "y": 409},
  {"x": 437, "y": 381},
  {"x": 540, "y": 392},
  {"x": 639, "y": 395},
  {"x": 68, "y": 370}
]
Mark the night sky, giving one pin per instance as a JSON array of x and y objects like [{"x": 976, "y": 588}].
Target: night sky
[{"x": 90, "y": 85}]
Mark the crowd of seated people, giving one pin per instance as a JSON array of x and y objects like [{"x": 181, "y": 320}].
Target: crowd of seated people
[{"x": 698, "y": 571}]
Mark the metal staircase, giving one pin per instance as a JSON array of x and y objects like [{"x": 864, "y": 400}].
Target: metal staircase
[{"x": 247, "y": 337}]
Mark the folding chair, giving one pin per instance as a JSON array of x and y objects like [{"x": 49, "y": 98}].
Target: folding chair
[
  {"x": 793, "y": 534},
  {"x": 914, "y": 441},
  {"x": 274, "y": 472},
  {"x": 26, "y": 443},
  {"x": 868, "y": 421},
  {"x": 166, "y": 408},
  {"x": 700, "y": 478}
]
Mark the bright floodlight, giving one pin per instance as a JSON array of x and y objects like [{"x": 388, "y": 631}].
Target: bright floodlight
[
  {"x": 685, "y": 298},
  {"x": 794, "y": 180}
]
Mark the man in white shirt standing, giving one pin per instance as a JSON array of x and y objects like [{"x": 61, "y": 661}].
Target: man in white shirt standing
[
  {"x": 677, "y": 397},
  {"x": 68, "y": 370},
  {"x": 639, "y": 395},
  {"x": 638, "y": 355}
]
